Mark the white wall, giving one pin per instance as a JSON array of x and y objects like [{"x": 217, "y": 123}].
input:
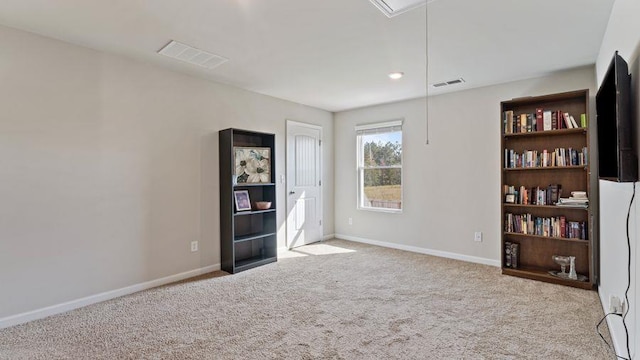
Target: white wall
[
  {"x": 622, "y": 34},
  {"x": 451, "y": 186},
  {"x": 109, "y": 169}
]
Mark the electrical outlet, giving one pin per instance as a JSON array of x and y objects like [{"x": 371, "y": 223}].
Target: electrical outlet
[
  {"x": 477, "y": 236},
  {"x": 194, "y": 246},
  {"x": 615, "y": 305},
  {"x": 350, "y": 221}
]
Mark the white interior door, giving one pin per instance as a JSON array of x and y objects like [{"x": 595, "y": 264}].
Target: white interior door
[{"x": 304, "y": 195}]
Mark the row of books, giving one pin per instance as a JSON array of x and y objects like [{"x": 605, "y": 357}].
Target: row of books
[
  {"x": 557, "y": 226},
  {"x": 545, "y": 158},
  {"x": 511, "y": 252},
  {"x": 532, "y": 196},
  {"x": 541, "y": 120}
]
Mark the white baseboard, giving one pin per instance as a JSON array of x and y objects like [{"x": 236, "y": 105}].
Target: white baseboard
[
  {"x": 92, "y": 299},
  {"x": 618, "y": 344},
  {"x": 420, "y": 250},
  {"x": 328, "y": 237}
]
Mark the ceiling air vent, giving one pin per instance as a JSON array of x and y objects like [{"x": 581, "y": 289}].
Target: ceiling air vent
[
  {"x": 192, "y": 55},
  {"x": 447, "y": 83},
  {"x": 392, "y": 8}
]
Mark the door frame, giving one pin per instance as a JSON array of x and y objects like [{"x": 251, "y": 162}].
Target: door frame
[{"x": 286, "y": 171}]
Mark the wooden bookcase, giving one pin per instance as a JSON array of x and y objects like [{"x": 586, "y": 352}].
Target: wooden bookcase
[
  {"x": 536, "y": 249},
  {"x": 247, "y": 238}
]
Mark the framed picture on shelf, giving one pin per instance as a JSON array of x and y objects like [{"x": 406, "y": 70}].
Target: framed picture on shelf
[
  {"x": 252, "y": 164},
  {"x": 242, "y": 200}
]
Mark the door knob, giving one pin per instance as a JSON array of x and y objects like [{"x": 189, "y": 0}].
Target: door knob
[{"x": 291, "y": 192}]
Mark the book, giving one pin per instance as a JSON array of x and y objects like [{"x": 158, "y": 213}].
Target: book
[
  {"x": 539, "y": 119},
  {"x": 573, "y": 122},
  {"x": 509, "y": 128},
  {"x": 567, "y": 120},
  {"x": 554, "y": 120},
  {"x": 523, "y": 123},
  {"x": 507, "y": 254},
  {"x": 546, "y": 120},
  {"x": 515, "y": 250},
  {"x": 583, "y": 120}
]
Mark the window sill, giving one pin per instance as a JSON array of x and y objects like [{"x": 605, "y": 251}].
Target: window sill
[{"x": 382, "y": 210}]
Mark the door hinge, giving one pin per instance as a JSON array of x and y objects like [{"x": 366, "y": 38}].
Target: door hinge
[
  {"x": 319, "y": 142},
  {"x": 320, "y": 222},
  {"x": 320, "y": 183}
]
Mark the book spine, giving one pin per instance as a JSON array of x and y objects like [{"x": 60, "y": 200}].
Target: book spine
[
  {"x": 567, "y": 120},
  {"x": 546, "y": 119},
  {"x": 539, "y": 120},
  {"x": 515, "y": 251},
  {"x": 507, "y": 254}
]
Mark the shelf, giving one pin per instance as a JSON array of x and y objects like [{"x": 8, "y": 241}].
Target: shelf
[
  {"x": 529, "y": 206},
  {"x": 535, "y": 251},
  {"x": 253, "y": 212},
  {"x": 574, "y": 167},
  {"x": 247, "y": 238},
  {"x": 255, "y": 261},
  {"x": 543, "y": 274},
  {"x": 546, "y": 133},
  {"x": 242, "y": 185},
  {"x": 580, "y": 241},
  {"x": 252, "y": 237}
]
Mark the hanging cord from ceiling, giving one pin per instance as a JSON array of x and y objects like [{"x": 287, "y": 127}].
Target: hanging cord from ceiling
[{"x": 426, "y": 29}]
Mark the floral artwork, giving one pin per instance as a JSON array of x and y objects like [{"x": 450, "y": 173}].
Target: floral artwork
[{"x": 253, "y": 164}]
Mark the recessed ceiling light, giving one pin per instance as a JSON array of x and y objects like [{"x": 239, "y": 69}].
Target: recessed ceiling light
[{"x": 396, "y": 75}]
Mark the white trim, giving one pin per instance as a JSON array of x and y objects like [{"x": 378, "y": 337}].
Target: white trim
[
  {"x": 616, "y": 339},
  {"x": 360, "y": 167},
  {"x": 328, "y": 237},
  {"x": 313, "y": 126},
  {"x": 419, "y": 250},
  {"x": 378, "y": 125},
  {"x": 104, "y": 296}
]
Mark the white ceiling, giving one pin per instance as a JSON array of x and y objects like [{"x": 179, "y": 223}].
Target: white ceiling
[{"x": 334, "y": 54}]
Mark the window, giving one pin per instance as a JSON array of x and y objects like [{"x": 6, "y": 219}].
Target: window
[{"x": 380, "y": 166}]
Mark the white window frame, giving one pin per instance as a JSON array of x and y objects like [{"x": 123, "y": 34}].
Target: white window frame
[{"x": 381, "y": 127}]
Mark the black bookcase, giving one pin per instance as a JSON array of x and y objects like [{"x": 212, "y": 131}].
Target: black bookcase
[{"x": 247, "y": 238}]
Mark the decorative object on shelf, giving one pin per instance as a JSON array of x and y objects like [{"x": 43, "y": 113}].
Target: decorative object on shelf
[
  {"x": 563, "y": 261},
  {"x": 252, "y": 164},
  {"x": 262, "y": 205},
  {"x": 242, "y": 200},
  {"x": 572, "y": 269}
]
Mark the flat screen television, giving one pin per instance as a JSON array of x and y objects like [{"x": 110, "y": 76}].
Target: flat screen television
[{"x": 617, "y": 159}]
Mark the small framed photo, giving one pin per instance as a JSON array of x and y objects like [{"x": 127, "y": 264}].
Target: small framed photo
[
  {"x": 510, "y": 198},
  {"x": 242, "y": 200}
]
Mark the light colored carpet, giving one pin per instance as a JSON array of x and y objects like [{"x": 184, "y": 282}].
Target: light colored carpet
[{"x": 335, "y": 300}]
